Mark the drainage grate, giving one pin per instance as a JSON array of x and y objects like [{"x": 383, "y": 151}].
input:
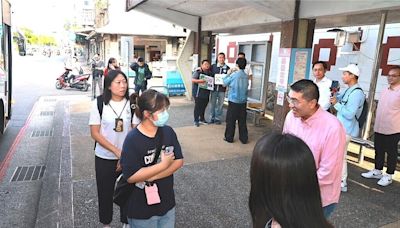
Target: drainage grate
[
  {"x": 47, "y": 113},
  {"x": 42, "y": 133},
  {"x": 28, "y": 173}
]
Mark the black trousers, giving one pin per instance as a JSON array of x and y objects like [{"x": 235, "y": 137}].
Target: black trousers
[
  {"x": 105, "y": 180},
  {"x": 200, "y": 105},
  {"x": 386, "y": 143},
  {"x": 236, "y": 112}
]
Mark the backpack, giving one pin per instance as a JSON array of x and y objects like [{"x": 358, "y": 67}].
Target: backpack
[{"x": 364, "y": 113}]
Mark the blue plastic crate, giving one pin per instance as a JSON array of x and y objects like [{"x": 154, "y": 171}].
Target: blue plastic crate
[
  {"x": 173, "y": 74},
  {"x": 176, "y": 92},
  {"x": 173, "y": 81},
  {"x": 172, "y": 77},
  {"x": 175, "y": 86}
]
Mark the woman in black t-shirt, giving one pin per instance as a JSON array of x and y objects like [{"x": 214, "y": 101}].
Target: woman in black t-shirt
[{"x": 152, "y": 202}]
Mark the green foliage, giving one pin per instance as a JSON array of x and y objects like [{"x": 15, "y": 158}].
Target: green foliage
[
  {"x": 47, "y": 40},
  {"x": 101, "y": 4},
  {"x": 37, "y": 39}
]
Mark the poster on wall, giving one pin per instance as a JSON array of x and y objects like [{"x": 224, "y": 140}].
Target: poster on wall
[
  {"x": 300, "y": 64},
  {"x": 283, "y": 69},
  {"x": 209, "y": 84},
  {"x": 280, "y": 98}
]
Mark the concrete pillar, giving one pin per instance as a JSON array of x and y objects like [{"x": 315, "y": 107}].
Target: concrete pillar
[
  {"x": 206, "y": 46},
  {"x": 184, "y": 63},
  {"x": 297, "y": 33},
  {"x": 197, "y": 43}
]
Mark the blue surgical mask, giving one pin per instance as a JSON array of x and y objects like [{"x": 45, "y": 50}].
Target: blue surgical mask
[{"x": 162, "y": 119}]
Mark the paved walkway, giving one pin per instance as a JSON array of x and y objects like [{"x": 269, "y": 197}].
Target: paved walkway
[{"x": 211, "y": 189}]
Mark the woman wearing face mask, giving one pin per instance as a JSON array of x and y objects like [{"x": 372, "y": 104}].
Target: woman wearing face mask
[{"x": 152, "y": 201}]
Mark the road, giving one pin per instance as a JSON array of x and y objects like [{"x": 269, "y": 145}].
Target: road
[{"x": 33, "y": 77}]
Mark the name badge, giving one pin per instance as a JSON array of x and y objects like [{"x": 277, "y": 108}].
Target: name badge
[{"x": 119, "y": 125}]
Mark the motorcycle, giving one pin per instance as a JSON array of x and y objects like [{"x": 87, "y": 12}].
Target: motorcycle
[{"x": 78, "y": 82}]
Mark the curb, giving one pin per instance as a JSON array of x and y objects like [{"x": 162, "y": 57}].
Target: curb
[{"x": 55, "y": 202}]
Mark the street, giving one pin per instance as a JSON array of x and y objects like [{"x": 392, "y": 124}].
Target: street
[{"x": 33, "y": 77}]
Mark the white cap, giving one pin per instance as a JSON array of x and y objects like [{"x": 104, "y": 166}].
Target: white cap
[{"x": 352, "y": 68}]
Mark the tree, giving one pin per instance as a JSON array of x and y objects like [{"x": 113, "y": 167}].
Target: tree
[{"x": 37, "y": 39}]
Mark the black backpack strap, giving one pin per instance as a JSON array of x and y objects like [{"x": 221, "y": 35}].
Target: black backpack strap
[
  {"x": 100, "y": 103},
  {"x": 159, "y": 140},
  {"x": 357, "y": 88}
]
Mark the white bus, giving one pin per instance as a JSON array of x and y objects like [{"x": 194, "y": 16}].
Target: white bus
[{"x": 5, "y": 64}]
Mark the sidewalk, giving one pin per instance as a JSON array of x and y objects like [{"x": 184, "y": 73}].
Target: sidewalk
[{"x": 211, "y": 189}]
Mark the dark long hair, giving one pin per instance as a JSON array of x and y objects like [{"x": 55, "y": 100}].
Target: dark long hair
[
  {"x": 284, "y": 184},
  {"x": 152, "y": 101},
  {"x": 110, "y": 61},
  {"x": 112, "y": 74}
]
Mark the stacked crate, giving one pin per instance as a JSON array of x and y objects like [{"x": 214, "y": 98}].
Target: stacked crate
[{"x": 173, "y": 82}]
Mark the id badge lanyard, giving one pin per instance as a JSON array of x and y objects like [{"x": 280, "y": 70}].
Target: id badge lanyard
[{"x": 119, "y": 122}]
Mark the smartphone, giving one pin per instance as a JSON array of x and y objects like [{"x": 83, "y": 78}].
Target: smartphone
[
  {"x": 169, "y": 149},
  {"x": 334, "y": 87}
]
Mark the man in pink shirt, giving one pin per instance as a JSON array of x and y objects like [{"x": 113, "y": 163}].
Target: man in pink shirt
[
  {"x": 323, "y": 133},
  {"x": 387, "y": 129}
]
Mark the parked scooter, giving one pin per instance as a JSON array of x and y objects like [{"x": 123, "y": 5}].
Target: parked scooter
[{"x": 79, "y": 82}]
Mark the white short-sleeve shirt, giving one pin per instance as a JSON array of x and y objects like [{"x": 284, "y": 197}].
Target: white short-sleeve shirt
[
  {"x": 324, "y": 92},
  {"x": 107, "y": 125}
]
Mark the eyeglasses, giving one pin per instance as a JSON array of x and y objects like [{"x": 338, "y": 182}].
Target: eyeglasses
[
  {"x": 393, "y": 75},
  {"x": 292, "y": 101}
]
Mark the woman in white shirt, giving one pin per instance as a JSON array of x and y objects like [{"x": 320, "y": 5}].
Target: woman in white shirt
[{"x": 109, "y": 127}]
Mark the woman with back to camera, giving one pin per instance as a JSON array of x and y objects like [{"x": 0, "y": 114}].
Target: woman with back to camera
[
  {"x": 284, "y": 186},
  {"x": 109, "y": 130},
  {"x": 152, "y": 201}
]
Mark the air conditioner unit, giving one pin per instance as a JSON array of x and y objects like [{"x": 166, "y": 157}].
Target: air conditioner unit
[
  {"x": 343, "y": 37},
  {"x": 340, "y": 39},
  {"x": 353, "y": 37}
]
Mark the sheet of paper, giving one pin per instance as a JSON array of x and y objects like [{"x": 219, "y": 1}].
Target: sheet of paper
[
  {"x": 280, "y": 98},
  {"x": 209, "y": 84},
  {"x": 219, "y": 79}
]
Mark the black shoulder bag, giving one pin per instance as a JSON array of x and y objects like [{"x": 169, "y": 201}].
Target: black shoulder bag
[{"x": 123, "y": 189}]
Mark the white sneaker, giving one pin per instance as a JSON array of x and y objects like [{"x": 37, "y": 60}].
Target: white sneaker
[
  {"x": 377, "y": 174},
  {"x": 343, "y": 186},
  {"x": 385, "y": 180}
]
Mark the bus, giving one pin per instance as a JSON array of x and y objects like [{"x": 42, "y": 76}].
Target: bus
[{"x": 5, "y": 64}]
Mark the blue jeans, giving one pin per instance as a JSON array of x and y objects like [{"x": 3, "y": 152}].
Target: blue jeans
[
  {"x": 141, "y": 87},
  {"x": 328, "y": 210},
  {"x": 217, "y": 105},
  {"x": 165, "y": 221}
]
